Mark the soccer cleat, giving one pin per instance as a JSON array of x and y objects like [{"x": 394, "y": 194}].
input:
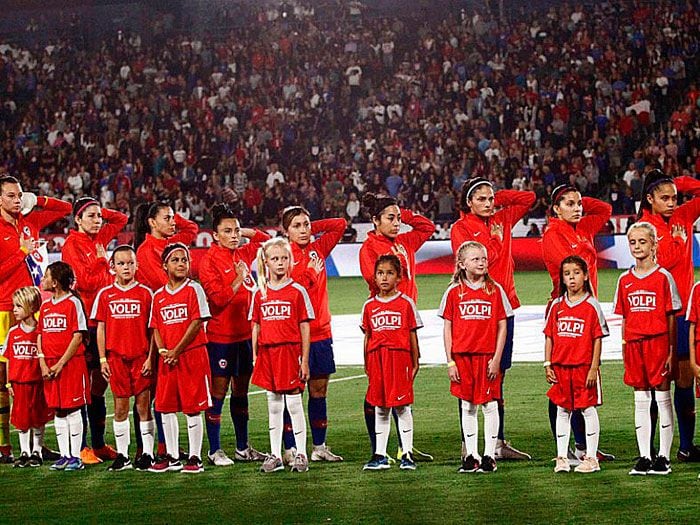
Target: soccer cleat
[
  {"x": 469, "y": 464},
  {"x": 105, "y": 453},
  {"x": 562, "y": 465},
  {"x": 143, "y": 463},
  {"x": 35, "y": 460},
  {"x": 641, "y": 468},
  {"x": 249, "y": 454},
  {"x": 74, "y": 464},
  {"x": 323, "y": 453},
  {"x": 49, "y": 455},
  {"x": 6, "y": 459},
  {"x": 288, "y": 456},
  {"x": 166, "y": 464},
  {"x": 60, "y": 464},
  {"x": 193, "y": 466},
  {"x": 488, "y": 465},
  {"x": 271, "y": 464},
  {"x": 87, "y": 456},
  {"x": 377, "y": 463},
  {"x": 660, "y": 467},
  {"x": 417, "y": 455},
  {"x": 588, "y": 466},
  {"x": 219, "y": 459},
  {"x": 121, "y": 463},
  {"x": 504, "y": 450},
  {"x": 21, "y": 461},
  {"x": 301, "y": 463},
  {"x": 574, "y": 461},
  {"x": 407, "y": 462},
  {"x": 692, "y": 455}
]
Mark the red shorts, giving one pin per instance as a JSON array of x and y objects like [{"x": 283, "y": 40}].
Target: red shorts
[
  {"x": 126, "y": 379},
  {"x": 474, "y": 385},
  {"x": 390, "y": 374},
  {"x": 71, "y": 388},
  {"x": 29, "y": 408},
  {"x": 185, "y": 386},
  {"x": 645, "y": 362},
  {"x": 277, "y": 368},
  {"x": 570, "y": 391}
]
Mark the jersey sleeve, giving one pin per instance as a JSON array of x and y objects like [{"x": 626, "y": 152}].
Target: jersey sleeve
[
  {"x": 186, "y": 231},
  {"x": 619, "y": 304},
  {"x": 115, "y": 222},
  {"x": 254, "y": 312},
  {"x": 304, "y": 307},
  {"x": 673, "y": 298},
  {"x": 691, "y": 314},
  {"x": 601, "y": 325},
  {"x": 198, "y": 302},
  {"x": 367, "y": 260},
  {"x": 80, "y": 322},
  {"x": 515, "y": 204},
  {"x": 98, "y": 307},
  {"x": 48, "y": 211},
  {"x": 332, "y": 230},
  {"x": 414, "y": 320},
  {"x": 364, "y": 318},
  {"x": 505, "y": 303},
  {"x": 446, "y": 309},
  {"x": 422, "y": 229},
  {"x": 153, "y": 318},
  {"x": 549, "y": 323},
  {"x": 597, "y": 213}
]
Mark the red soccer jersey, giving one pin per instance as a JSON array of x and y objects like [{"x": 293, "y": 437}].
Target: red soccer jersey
[
  {"x": 645, "y": 301},
  {"x": 389, "y": 322},
  {"x": 475, "y": 315},
  {"x": 280, "y": 312},
  {"x": 172, "y": 312},
  {"x": 573, "y": 327},
  {"x": 125, "y": 312},
  {"x": 58, "y": 321},
  {"x": 21, "y": 354},
  {"x": 692, "y": 313}
]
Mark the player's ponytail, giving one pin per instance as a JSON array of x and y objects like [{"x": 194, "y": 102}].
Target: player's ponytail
[
  {"x": 578, "y": 261},
  {"x": 143, "y": 213},
  {"x": 460, "y": 274},
  {"x": 376, "y": 204},
  {"x": 219, "y": 212}
]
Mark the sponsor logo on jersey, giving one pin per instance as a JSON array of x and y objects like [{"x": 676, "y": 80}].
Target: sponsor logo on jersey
[
  {"x": 125, "y": 308},
  {"x": 386, "y": 320},
  {"x": 570, "y": 326},
  {"x": 475, "y": 309},
  {"x": 174, "y": 313},
  {"x": 276, "y": 310},
  {"x": 24, "y": 349},
  {"x": 642, "y": 301},
  {"x": 54, "y": 323}
]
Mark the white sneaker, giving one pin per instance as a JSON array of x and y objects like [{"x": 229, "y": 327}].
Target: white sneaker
[
  {"x": 562, "y": 465},
  {"x": 588, "y": 466},
  {"x": 271, "y": 464},
  {"x": 323, "y": 453},
  {"x": 288, "y": 456},
  {"x": 301, "y": 464},
  {"x": 220, "y": 459},
  {"x": 249, "y": 454}
]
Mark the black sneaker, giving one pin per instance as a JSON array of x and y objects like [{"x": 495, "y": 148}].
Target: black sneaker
[
  {"x": 6, "y": 459},
  {"x": 469, "y": 464},
  {"x": 22, "y": 461},
  {"x": 691, "y": 455},
  {"x": 35, "y": 460},
  {"x": 121, "y": 463},
  {"x": 488, "y": 464},
  {"x": 660, "y": 467},
  {"x": 641, "y": 468},
  {"x": 49, "y": 455},
  {"x": 143, "y": 462}
]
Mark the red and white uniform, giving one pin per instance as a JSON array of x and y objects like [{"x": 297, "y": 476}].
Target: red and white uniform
[
  {"x": 29, "y": 408},
  {"x": 279, "y": 352},
  {"x": 317, "y": 284},
  {"x": 645, "y": 301},
  {"x": 79, "y": 251},
  {"x": 513, "y": 207},
  {"x": 573, "y": 328},
  {"x": 150, "y": 271},
  {"x": 692, "y": 315},
  {"x": 185, "y": 386},
  {"x": 59, "y": 320},
  {"x": 229, "y": 311},
  {"x": 405, "y": 246},
  {"x": 125, "y": 313},
  {"x": 388, "y": 323},
  {"x": 561, "y": 239},
  {"x": 475, "y": 315}
]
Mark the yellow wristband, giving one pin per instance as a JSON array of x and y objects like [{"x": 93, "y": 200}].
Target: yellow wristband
[
  {"x": 41, "y": 356},
  {"x": 103, "y": 360},
  {"x": 546, "y": 364},
  {"x": 162, "y": 351},
  {"x": 24, "y": 250},
  {"x": 451, "y": 364},
  {"x": 8, "y": 385}
]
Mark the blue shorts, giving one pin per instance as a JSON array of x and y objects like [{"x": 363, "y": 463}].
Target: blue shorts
[
  {"x": 231, "y": 359},
  {"x": 682, "y": 338},
  {"x": 507, "y": 357},
  {"x": 321, "y": 362}
]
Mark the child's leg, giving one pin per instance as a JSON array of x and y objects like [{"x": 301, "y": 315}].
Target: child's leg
[
  {"x": 642, "y": 421},
  {"x": 171, "y": 431},
  {"x": 195, "y": 434},
  {"x": 405, "y": 427},
  {"x": 590, "y": 415},
  {"x": 147, "y": 426},
  {"x": 490, "y": 411},
  {"x": 563, "y": 431},
  {"x": 25, "y": 439},
  {"x": 382, "y": 425},
  {"x": 60, "y": 423},
  {"x": 369, "y": 411},
  {"x": 122, "y": 436},
  {"x": 275, "y": 409},
  {"x": 37, "y": 439},
  {"x": 663, "y": 400},
  {"x": 295, "y": 406},
  {"x": 75, "y": 428},
  {"x": 470, "y": 428}
]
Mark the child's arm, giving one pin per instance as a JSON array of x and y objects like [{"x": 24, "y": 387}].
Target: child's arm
[
  {"x": 415, "y": 353},
  {"x": 256, "y": 333},
  {"x": 671, "y": 322},
  {"x": 104, "y": 365},
  {"x": 147, "y": 367},
  {"x": 452, "y": 371},
  {"x": 305, "y": 330},
  {"x": 495, "y": 362},
  {"x": 366, "y": 344},
  {"x": 548, "y": 370},
  {"x": 45, "y": 372},
  {"x": 67, "y": 355},
  {"x": 193, "y": 329},
  {"x": 592, "y": 377},
  {"x": 691, "y": 345}
]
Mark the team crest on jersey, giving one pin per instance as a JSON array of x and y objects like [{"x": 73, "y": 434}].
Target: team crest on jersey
[
  {"x": 223, "y": 363},
  {"x": 54, "y": 323},
  {"x": 276, "y": 310},
  {"x": 475, "y": 310},
  {"x": 386, "y": 320},
  {"x": 174, "y": 313},
  {"x": 642, "y": 301},
  {"x": 570, "y": 327},
  {"x": 125, "y": 309},
  {"x": 26, "y": 231}
]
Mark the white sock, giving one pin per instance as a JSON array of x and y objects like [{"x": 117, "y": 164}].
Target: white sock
[
  {"x": 491, "y": 421},
  {"x": 563, "y": 429},
  {"x": 405, "y": 415},
  {"x": 590, "y": 416},
  {"x": 195, "y": 434},
  {"x": 642, "y": 421},
  {"x": 295, "y": 406},
  {"x": 62, "y": 436},
  {"x": 38, "y": 439},
  {"x": 470, "y": 428},
  {"x": 275, "y": 413},
  {"x": 663, "y": 400},
  {"x": 75, "y": 427},
  {"x": 171, "y": 429},
  {"x": 25, "y": 438},
  {"x": 122, "y": 435},
  {"x": 148, "y": 429},
  {"x": 382, "y": 428}
]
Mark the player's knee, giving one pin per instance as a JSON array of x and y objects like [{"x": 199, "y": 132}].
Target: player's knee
[
  {"x": 318, "y": 387},
  {"x": 239, "y": 386},
  {"x": 685, "y": 375}
]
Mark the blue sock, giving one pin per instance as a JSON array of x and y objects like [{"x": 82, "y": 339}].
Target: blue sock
[
  {"x": 684, "y": 401},
  {"x": 288, "y": 433},
  {"x": 137, "y": 427},
  {"x": 83, "y": 414},
  {"x": 318, "y": 419},
  {"x": 212, "y": 420},
  {"x": 159, "y": 425},
  {"x": 239, "y": 415},
  {"x": 578, "y": 427},
  {"x": 97, "y": 413},
  {"x": 501, "y": 420},
  {"x": 371, "y": 429}
]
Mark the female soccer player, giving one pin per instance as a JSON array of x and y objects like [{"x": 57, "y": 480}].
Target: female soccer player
[
  {"x": 121, "y": 311},
  {"x": 475, "y": 309},
  {"x": 62, "y": 326},
  {"x": 281, "y": 311},
  {"x": 85, "y": 252},
  {"x": 30, "y": 413},
  {"x": 178, "y": 314},
  {"x": 481, "y": 222},
  {"x": 390, "y": 321},
  {"x": 647, "y": 299},
  {"x": 225, "y": 275},
  {"x": 309, "y": 253},
  {"x": 573, "y": 332}
]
